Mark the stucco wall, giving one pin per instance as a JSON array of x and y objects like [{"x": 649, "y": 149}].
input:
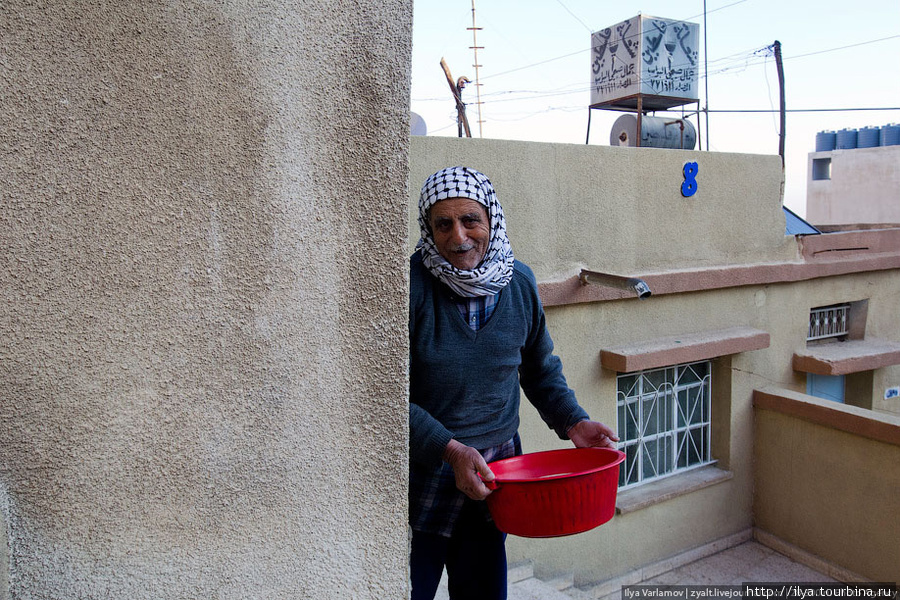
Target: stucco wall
[
  {"x": 620, "y": 210},
  {"x": 203, "y": 328},
  {"x": 863, "y": 187},
  {"x": 680, "y": 524},
  {"x": 831, "y": 492}
]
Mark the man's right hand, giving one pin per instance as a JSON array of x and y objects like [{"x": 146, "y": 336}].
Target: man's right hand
[{"x": 468, "y": 464}]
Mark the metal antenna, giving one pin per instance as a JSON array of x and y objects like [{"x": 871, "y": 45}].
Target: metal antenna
[{"x": 475, "y": 48}]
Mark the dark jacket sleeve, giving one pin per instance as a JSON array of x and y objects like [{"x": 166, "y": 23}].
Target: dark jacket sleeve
[
  {"x": 541, "y": 373},
  {"x": 427, "y": 436}
]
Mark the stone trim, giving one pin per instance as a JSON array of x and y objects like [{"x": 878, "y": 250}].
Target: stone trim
[
  {"x": 663, "y": 352},
  {"x": 849, "y": 243},
  {"x": 847, "y": 258},
  {"x": 807, "y": 558},
  {"x": 851, "y": 356},
  {"x": 851, "y": 419},
  {"x": 655, "y": 492}
]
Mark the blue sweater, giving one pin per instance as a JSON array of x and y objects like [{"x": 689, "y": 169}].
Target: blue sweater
[{"x": 465, "y": 384}]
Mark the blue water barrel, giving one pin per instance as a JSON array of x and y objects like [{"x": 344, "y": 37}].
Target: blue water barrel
[
  {"x": 825, "y": 141},
  {"x": 890, "y": 135},
  {"x": 869, "y": 137},
  {"x": 846, "y": 139}
]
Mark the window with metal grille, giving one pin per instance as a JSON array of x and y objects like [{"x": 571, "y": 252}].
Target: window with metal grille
[
  {"x": 828, "y": 322},
  {"x": 663, "y": 421}
]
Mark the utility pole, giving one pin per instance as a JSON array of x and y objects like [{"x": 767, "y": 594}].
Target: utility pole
[
  {"x": 782, "y": 109},
  {"x": 475, "y": 48},
  {"x": 705, "y": 79}
]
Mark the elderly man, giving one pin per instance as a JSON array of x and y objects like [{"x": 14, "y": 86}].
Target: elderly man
[{"x": 477, "y": 334}]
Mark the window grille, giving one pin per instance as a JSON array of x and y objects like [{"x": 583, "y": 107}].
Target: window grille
[
  {"x": 664, "y": 421},
  {"x": 828, "y": 322}
]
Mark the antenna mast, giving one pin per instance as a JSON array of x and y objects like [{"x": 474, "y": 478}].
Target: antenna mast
[{"x": 475, "y": 48}]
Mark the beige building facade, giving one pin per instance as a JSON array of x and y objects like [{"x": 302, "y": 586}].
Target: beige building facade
[
  {"x": 728, "y": 287},
  {"x": 854, "y": 186}
]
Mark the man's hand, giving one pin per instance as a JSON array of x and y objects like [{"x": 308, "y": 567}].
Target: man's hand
[
  {"x": 587, "y": 434},
  {"x": 467, "y": 463}
]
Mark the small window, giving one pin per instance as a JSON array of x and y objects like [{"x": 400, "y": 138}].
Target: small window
[
  {"x": 821, "y": 169},
  {"x": 828, "y": 322},
  {"x": 827, "y": 387},
  {"x": 664, "y": 422}
]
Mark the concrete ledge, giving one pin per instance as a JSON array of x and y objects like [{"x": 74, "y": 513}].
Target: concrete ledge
[
  {"x": 851, "y": 356},
  {"x": 520, "y": 571},
  {"x": 806, "y": 558},
  {"x": 826, "y": 255},
  {"x": 571, "y": 291},
  {"x": 614, "y": 585},
  {"x": 683, "y": 349},
  {"x": 643, "y": 496},
  {"x": 858, "y": 421},
  {"x": 850, "y": 243}
]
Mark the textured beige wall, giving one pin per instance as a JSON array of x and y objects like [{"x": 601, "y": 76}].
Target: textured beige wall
[
  {"x": 203, "y": 328},
  {"x": 617, "y": 209},
  {"x": 830, "y": 492},
  {"x": 863, "y": 187},
  {"x": 666, "y": 529}
]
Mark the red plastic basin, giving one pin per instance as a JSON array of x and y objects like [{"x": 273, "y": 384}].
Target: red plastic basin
[{"x": 555, "y": 493}]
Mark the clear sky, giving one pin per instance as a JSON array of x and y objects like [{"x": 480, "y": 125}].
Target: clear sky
[{"x": 535, "y": 69}]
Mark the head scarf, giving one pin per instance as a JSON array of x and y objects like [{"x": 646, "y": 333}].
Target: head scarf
[{"x": 496, "y": 268}]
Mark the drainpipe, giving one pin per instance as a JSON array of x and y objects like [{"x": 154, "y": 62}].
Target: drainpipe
[{"x": 630, "y": 284}]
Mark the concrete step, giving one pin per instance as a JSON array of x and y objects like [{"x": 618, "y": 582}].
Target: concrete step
[
  {"x": 523, "y": 585},
  {"x": 535, "y": 589},
  {"x": 519, "y": 572}
]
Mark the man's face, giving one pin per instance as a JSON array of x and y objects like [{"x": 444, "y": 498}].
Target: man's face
[{"x": 461, "y": 231}]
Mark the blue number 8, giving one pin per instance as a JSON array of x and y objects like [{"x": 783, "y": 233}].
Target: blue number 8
[{"x": 689, "y": 187}]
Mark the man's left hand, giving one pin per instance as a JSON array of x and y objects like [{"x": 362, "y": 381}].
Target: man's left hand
[{"x": 591, "y": 434}]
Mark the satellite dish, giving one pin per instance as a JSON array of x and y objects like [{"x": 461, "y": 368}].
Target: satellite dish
[{"x": 417, "y": 125}]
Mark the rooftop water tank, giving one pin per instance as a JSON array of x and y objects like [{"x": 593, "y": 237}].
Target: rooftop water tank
[
  {"x": 656, "y": 132},
  {"x": 649, "y": 58},
  {"x": 890, "y": 135},
  {"x": 846, "y": 139},
  {"x": 868, "y": 137},
  {"x": 825, "y": 141}
]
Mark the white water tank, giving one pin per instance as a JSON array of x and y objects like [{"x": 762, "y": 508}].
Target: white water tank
[{"x": 656, "y": 132}]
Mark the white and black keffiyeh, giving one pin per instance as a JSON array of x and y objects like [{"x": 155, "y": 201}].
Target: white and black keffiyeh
[{"x": 496, "y": 268}]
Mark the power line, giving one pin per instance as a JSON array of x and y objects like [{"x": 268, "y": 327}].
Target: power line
[
  {"x": 740, "y": 60},
  {"x": 733, "y": 111},
  {"x": 721, "y": 70},
  {"x": 574, "y": 16},
  {"x": 581, "y": 108},
  {"x": 709, "y": 12},
  {"x": 537, "y": 64},
  {"x": 589, "y": 49},
  {"x": 753, "y": 58},
  {"x": 766, "y": 110},
  {"x": 890, "y": 37}
]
